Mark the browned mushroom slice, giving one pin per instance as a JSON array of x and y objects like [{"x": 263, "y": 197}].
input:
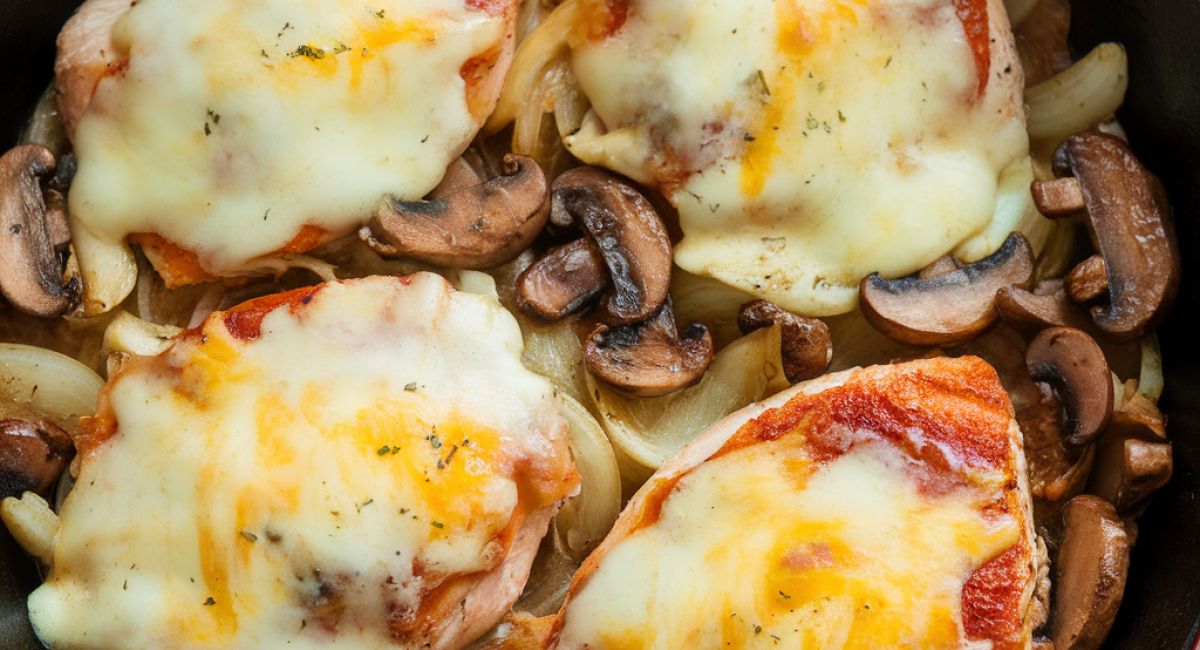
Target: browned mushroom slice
[
  {"x": 1048, "y": 305},
  {"x": 1059, "y": 198},
  {"x": 807, "y": 344},
  {"x": 1087, "y": 281},
  {"x": 943, "y": 264},
  {"x": 628, "y": 233},
  {"x": 949, "y": 308},
  {"x": 649, "y": 358},
  {"x": 1133, "y": 457},
  {"x": 1071, "y": 362},
  {"x": 468, "y": 222},
  {"x": 562, "y": 281},
  {"x": 1057, "y": 470},
  {"x": 1093, "y": 561},
  {"x": 1130, "y": 224},
  {"x": 31, "y": 273},
  {"x": 33, "y": 453}
]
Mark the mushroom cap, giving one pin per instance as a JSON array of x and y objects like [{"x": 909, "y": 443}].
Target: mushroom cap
[
  {"x": 470, "y": 222},
  {"x": 31, "y": 273},
  {"x": 1070, "y": 361},
  {"x": 1130, "y": 223},
  {"x": 649, "y": 358},
  {"x": 947, "y": 308},
  {"x": 1093, "y": 561},
  {"x": 562, "y": 280},
  {"x": 33, "y": 453},
  {"x": 627, "y": 232},
  {"x": 1048, "y": 305}
]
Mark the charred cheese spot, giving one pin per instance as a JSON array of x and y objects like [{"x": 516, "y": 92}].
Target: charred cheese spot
[
  {"x": 808, "y": 143},
  {"x": 312, "y": 468},
  {"x": 871, "y": 509},
  {"x": 241, "y": 130}
]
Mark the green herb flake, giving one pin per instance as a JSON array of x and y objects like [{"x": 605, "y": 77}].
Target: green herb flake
[
  {"x": 309, "y": 52},
  {"x": 385, "y": 450},
  {"x": 378, "y": 14},
  {"x": 821, "y": 86},
  {"x": 758, "y": 629},
  {"x": 341, "y": 47},
  {"x": 210, "y": 602},
  {"x": 812, "y": 123},
  {"x": 411, "y": 388},
  {"x": 785, "y": 595},
  {"x": 249, "y": 536},
  {"x": 841, "y": 118},
  {"x": 762, "y": 79},
  {"x": 436, "y": 524}
]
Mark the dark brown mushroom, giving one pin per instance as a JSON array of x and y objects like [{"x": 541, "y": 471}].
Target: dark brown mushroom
[
  {"x": 1057, "y": 471},
  {"x": 562, "y": 281},
  {"x": 1133, "y": 457},
  {"x": 31, "y": 272},
  {"x": 1130, "y": 224},
  {"x": 33, "y": 453},
  {"x": 1074, "y": 365},
  {"x": 1087, "y": 281},
  {"x": 628, "y": 234},
  {"x": 1093, "y": 562},
  {"x": 649, "y": 358},
  {"x": 1041, "y": 40},
  {"x": 1048, "y": 305},
  {"x": 807, "y": 345},
  {"x": 948, "y": 308},
  {"x": 468, "y": 222}
]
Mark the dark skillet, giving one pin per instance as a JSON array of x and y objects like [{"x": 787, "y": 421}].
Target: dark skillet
[{"x": 1162, "y": 117}]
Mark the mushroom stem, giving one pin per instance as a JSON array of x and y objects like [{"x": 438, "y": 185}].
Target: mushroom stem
[
  {"x": 1088, "y": 280},
  {"x": 1093, "y": 562},
  {"x": 469, "y": 222},
  {"x": 31, "y": 273}
]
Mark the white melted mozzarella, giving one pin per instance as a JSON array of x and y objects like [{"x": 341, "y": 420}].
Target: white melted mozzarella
[
  {"x": 752, "y": 551},
  {"x": 310, "y": 487},
  {"x": 808, "y": 143},
  {"x": 236, "y": 123}
]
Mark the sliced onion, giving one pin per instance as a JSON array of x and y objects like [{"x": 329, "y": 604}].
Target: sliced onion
[
  {"x": 1150, "y": 378},
  {"x": 710, "y": 302},
  {"x": 131, "y": 335},
  {"x": 541, "y": 48},
  {"x": 32, "y": 524},
  {"x": 46, "y": 127},
  {"x": 587, "y": 517},
  {"x": 647, "y": 431},
  {"x": 555, "y": 352},
  {"x": 109, "y": 270},
  {"x": 52, "y": 384},
  {"x": 549, "y": 580},
  {"x": 856, "y": 343},
  {"x": 1079, "y": 97}
]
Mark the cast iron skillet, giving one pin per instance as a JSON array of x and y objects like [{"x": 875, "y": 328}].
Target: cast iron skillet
[{"x": 1162, "y": 117}]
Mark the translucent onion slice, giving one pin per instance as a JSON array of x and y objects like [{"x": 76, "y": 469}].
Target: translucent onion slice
[
  {"x": 710, "y": 302},
  {"x": 549, "y": 579},
  {"x": 586, "y": 518},
  {"x": 1150, "y": 379},
  {"x": 52, "y": 384},
  {"x": 647, "y": 431},
  {"x": 856, "y": 343},
  {"x": 539, "y": 50},
  {"x": 1079, "y": 97},
  {"x": 555, "y": 352}
]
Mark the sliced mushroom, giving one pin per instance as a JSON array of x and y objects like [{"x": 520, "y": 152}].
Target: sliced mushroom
[
  {"x": 807, "y": 346},
  {"x": 562, "y": 281},
  {"x": 1074, "y": 365},
  {"x": 1088, "y": 280},
  {"x": 1093, "y": 561},
  {"x": 649, "y": 358},
  {"x": 31, "y": 273},
  {"x": 33, "y": 453},
  {"x": 1133, "y": 458},
  {"x": 628, "y": 233},
  {"x": 943, "y": 264},
  {"x": 469, "y": 222},
  {"x": 1130, "y": 224},
  {"x": 1048, "y": 305},
  {"x": 949, "y": 308},
  {"x": 1057, "y": 470},
  {"x": 1058, "y": 198}
]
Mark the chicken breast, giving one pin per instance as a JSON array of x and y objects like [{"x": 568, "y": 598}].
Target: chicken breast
[
  {"x": 877, "y": 508},
  {"x": 219, "y": 133},
  {"x": 361, "y": 464},
  {"x": 809, "y": 143}
]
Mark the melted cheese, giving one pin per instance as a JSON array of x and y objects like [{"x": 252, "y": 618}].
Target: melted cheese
[
  {"x": 235, "y": 124},
  {"x": 855, "y": 512},
  {"x": 807, "y": 143},
  {"x": 315, "y": 482}
]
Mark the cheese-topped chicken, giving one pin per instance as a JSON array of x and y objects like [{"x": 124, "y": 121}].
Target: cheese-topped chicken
[
  {"x": 808, "y": 143},
  {"x": 877, "y": 508},
  {"x": 218, "y": 132},
  {"x": 362, "y": 464}
]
